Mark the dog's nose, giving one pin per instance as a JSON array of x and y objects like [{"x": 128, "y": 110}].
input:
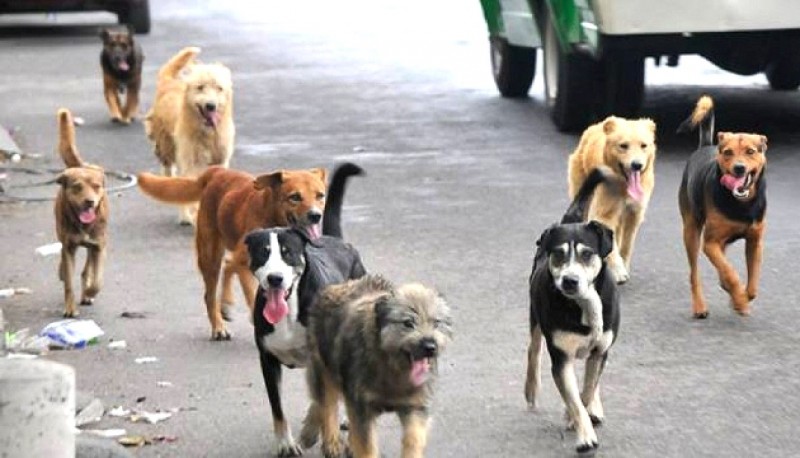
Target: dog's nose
[
  {"x": 429, "y": 348},
  {"x": 637, "y": 166},
  {"x": 275, "y": 280},
  {"x": 569, "y": 283},
  {"x": 211, "y": 106},
  {"x": 314, "y": 216},
  {"x": 88, "y": 203},
  {"x": 739, "y": 169}
]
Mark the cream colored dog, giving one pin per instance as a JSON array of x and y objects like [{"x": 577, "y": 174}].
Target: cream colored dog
[
  {"x": 191, "y": 122},
  {"x": 627, "y": 147}
]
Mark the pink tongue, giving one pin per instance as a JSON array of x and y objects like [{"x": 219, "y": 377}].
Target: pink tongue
[
  {"x": 314, "y": 232},
  {"x": 419, "y": 371},
  {"x": 212, "y": 118},
  {"x": 276, "y": 308},
  {"x": 123, "y": 66},
  {"x": 635, "y": 186},
  {"x": 87, "y": 216},
  {"x": 731, "y": 182}
]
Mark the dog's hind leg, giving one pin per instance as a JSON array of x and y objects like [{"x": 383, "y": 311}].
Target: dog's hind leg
[
  {"x": 326, "y": 396},
  {"x": 591, "y": 386},
  {"x": 91, "y": 278},
  {"x": 362, "y": 435},
  {"x": 629, "y": 227},
  {"x": 271, "y": 370},
  {"x": 415, "y": 433},
  {"x": 66, "y": 269},
  {"x": 209, "y": 258},
  {"x": 564, "y": 375},
  {"x": 728, "y": 278},
  {"x": 227, "y": 300},
  {"x": 691, "y": 241},
  {"x": 533, "y": 380},
  {"x": 112, "y": 98},
  {"x": 754, "y": 250}
]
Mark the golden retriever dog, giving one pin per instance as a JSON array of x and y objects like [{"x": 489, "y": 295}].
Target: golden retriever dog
[
  {"x": 628, "y": 147},
  {"x": 81, "y": 212},
  {"x": 191, "y": 122}
]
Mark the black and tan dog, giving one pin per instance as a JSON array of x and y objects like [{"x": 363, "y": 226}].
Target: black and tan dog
[
  {"x": 723, "y": 199},
  {"x": 81, "y": 212},
  {"x": 291, "y": 269},
  {"x": 375, "y": 345},
  {"x": 575, "y": 307},
  {"x": 121, "y": 61}
]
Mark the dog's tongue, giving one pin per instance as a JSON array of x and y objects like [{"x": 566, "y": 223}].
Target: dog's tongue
[
  {"x": 731, "y": 182},
  {"x": 276, "y": 308},
  {"x": 212, "y": 118},
  {"x": 419, "y": 371},
  {"x": 314, "y": 231},
  {"x": 87, "y": 216},
  {"x": 635, "y": 186},
  {"x": 122, "y": 65}
]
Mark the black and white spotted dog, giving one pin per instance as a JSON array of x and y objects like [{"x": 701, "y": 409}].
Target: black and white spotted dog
[
  {"x": 575, "y": 307},
  {"x": 291, "y": 269}
]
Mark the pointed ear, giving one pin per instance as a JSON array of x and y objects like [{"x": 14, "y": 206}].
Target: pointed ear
[
  {"x": 763, "y": 147},
  {"x": 609, "y": 125},
  {"x": 268, "y": 180},
  {"x": 321, "y": 173},
  {"x": 105, "y": 35},
  {"x": 650, "y": 124},
  {"x": 722, "y": 136},
  {"x": 605, "y": 236}
]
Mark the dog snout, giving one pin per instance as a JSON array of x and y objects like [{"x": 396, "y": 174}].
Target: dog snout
[
  {"x": 210, "y": 106},
  {"x": 569, "y": 283},
  {"x": 739, "y": 169},
  {"x": 89, "y": 203},
  {"x": 314, "y": 216},
  {"x": 637, "y": 166},
  {"x": 275, "y": 280},
  {"x": 429, "y": 348}
]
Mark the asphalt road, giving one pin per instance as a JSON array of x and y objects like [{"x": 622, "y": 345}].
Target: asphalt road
[{"x": 460, "y": 183}]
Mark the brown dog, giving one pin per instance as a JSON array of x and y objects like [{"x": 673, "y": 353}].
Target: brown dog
[
  {"x": 628, "y": 148},
  {"x": 232, "y": 204},
  {"x": 121, "y": 61},
  {"x": 723, "y": 199},
  {"x": 81, "y": 212},
  {"x": 191, "y": 121}
]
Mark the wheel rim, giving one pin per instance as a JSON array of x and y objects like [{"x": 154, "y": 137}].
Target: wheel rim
[
  {"x": 497, "y": 60},
  {"x": 550, "y": 64}
]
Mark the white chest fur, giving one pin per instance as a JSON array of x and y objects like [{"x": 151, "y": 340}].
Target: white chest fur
[
  {"x": 288, "y": 341},
  {"x": 579, "y": 345}
]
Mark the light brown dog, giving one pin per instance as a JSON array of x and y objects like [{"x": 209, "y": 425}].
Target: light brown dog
[
  {"x": 81, "y": 212},
  {"x": 232, "y": 204},
  {"x": 723, "y": 198},
  {"x": 191, "y": 121},
  {"x": 628, "y": 148}
]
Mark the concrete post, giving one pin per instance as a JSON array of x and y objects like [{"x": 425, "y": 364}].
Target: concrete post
[{"x": 37, "y": 409}]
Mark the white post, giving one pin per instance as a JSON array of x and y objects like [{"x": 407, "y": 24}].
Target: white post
[{"x": 37, "y": 409}]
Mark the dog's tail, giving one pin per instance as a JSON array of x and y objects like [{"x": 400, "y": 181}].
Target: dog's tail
[
  {"x": 67, "y": 148},
  {"x": 576, "y": 212},
  {"x": 173, "y": 66},
  {"x": 331, "y": 219},
  {"x": 173, "y": 190},
  {"x": 702, "y": 118}
]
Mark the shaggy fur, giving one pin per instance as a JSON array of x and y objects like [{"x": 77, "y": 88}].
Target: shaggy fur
[
  {"x": 376, "y": 346},
  {"x": 191, "y": 122},
  {"x": 232, "y": 204},
  {"x": 121, "y": 61},
  {"x": 628, "y": 148},
  {"x": 81, "y": 212},
  {"x": 723, "y": 198}
]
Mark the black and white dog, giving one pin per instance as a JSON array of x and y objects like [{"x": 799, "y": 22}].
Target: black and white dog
[
  {"x": 291, "y": 269},
  {"x": 575, "y": 306}
]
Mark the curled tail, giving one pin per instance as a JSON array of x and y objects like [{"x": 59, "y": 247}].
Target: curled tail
[
  {"x": 576, "y": 212},
  {"x": 173, "y": 190},
  {"x": 176, "y": 63},
  {"x": 67, "y": 148},
  {"x": 331, "y": 220},
  {"x": 702, "y": 116}
]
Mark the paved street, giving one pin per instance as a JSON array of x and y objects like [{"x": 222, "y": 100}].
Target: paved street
[{"x": 459, "y": 184}]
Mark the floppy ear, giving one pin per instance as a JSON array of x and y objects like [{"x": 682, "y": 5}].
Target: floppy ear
[
  {"x": 609, "y": 125},
  {"x": 721, "y": 136},
  {"x": 382, "y": 309},
  {"x": 250, "y": 238},
  {"x": 605, "y": 235},
  {"x": 62, "y": 180},
  {"x": 763, "y": 147},
  {"x": 105, "y": 35},
  {"x": 268, "y": 180},
  {"x": 321, "y": 173}
]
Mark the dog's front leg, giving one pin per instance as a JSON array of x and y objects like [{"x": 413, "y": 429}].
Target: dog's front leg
[
  {"x": 271, "y": 370},
  {"x": 415, "y": 432},
  {"x": 754, "y": 250},
  {"x": 591, "y": 386},
  {"x": 66, "y": 270},
  {"x": 728, "y": 278},
  {"x": 363, "y": 440},
  {"x": 112, "y": 98},
  {"x": 564, "y": 375},
  {"x": 131, "y": 110}
]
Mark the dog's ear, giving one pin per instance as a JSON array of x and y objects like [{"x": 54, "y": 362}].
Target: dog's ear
[
  {"x": 62, "y": 180},
  {"x": 321, "y": 173},
  {"x": 105, "y": 34},
  {"x": 605, "y": 236},
  {"x": 382, "y": 311},
  {"x": 609, "y": 125},
  {"x": 131, "y": 32},
  {"x": 268, "y": 180},
  {"x": 650, "y": 124},
  {"x": 763, "y": 146},
  {"x": 722, "y": 137},
  {"x": 251, "y": 238}
]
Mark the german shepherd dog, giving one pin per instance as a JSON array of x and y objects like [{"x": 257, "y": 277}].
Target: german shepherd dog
[
  {"x": 723, "y": 198},
  {"x": 121, "y": 61}
]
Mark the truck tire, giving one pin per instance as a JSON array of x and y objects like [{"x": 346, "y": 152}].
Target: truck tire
[
  {"x": 137, "y": 15},
  {"x": 569, "y": 80},
  {"x": 783, "y": 72},
  {"x": 622, "y": 85},
  {"x": 513, "y": 67}
]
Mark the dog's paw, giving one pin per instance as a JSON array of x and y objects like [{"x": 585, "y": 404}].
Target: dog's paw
[
  {"x": 87, "y": 301},
  {"x": 220, "y": 335},
  {"x": 227, "y": 312},
  {"x": 620, "y": 274},
  {"x": 286, "y": 447},
  {"x": 700, "y": 315},
  {"x": 185, "y": 222},
  {"x": 586, "y": 447},
  {"x": 587, "y": 441},
  {"x": 71, "y": 313},
  {"x": 596, "y": 420}
]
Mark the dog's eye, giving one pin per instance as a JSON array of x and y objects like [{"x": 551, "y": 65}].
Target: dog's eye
[
  {"x": 558, "y": 257},
  {"x": 624, "y": 146},
  {"x": 201, "y": 87},
  {"x": 644, "y": 145},
  {"x": 320, "y": 196},
  {"x": 751, "y": 151},
  {"x": 77, "y": 187},
  {"x": 586, "y": 256},
  {"x": 409, "y": 323},
  {"x": 296, "y": 197},
  {"x": 727, "y": 152}
]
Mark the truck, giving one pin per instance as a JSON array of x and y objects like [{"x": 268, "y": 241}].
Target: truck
[{"x": 593, "y": 51}]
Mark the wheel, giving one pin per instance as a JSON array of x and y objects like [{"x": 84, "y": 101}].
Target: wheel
[
  {"x": 137, "y": 15},
  {"x": 513, "y": 67},
  {"x": 622, "y": 85},
  {"x": 569, "y": 81},
  {"x": 783, "y": 72}
]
